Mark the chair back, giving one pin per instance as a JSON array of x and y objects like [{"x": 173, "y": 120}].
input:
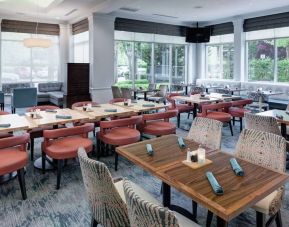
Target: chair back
[
  {"x": 83, "y": 103},
  {"x": 126, "y": 93},
  {"x": 107, "y": 207},
  {"x": 176, "y": 87},
  {"x": 262, "y": 148},
  {"x": 42, "y": 108},
  {"x": 116, "y": 93},
  {"x": 262, "y": 123},
  {"x": 4, "y": 112},
  {"x": 196, "y": 90},
  {"x": 14, "y": 141},
  {"x": 222, "y": 106},
  {"x": 24, "y": 97},
  {"x": 151, "y": 87},
  {"x": 255, "y": 96},
  {"x": 172, "y": 101},
  {"x": 116, "y": 100},
  {"x": 142, "y": 213},
  {"x": 160, "y": 116},
  {"x": 163, "y": 89},
  {"x": 241, "y": 103},
  {"x": 207, "y": 132}
]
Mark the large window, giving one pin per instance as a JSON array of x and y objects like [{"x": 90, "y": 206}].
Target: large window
[
  {"x": 268, "y": 55},
  {"x": 146, "y": 58},
  {"x": 81, "y": 47},
  {"x": 22, "y": 64},
  {"x": 220, "y": 57}
]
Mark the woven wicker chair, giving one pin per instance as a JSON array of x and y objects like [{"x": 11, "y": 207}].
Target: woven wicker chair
[
  {"x": 144, "y": 213},
  {"x": 106, "y": 198},
  {"x": 268, "y": 150},
  {"x": 207, "y": 132}
]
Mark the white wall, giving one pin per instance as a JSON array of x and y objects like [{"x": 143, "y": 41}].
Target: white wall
[{"x": 101, "y": 56}]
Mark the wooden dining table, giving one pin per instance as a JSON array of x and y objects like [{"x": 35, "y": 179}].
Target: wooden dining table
[
  {"x": 17, "y": 123},
  {"x": 240, "y": 193},
  {"x": 143, "y": 91},
  {"x": 139, "y": 106}
]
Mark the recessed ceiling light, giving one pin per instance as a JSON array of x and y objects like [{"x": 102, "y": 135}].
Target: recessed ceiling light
[{"x": 198, "y": 7}]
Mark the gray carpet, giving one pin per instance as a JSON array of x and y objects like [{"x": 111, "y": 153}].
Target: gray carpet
[{"x": 46, "y": 206}]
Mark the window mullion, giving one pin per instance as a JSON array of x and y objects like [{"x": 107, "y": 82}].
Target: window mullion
[{"x": 275, "y": 61}]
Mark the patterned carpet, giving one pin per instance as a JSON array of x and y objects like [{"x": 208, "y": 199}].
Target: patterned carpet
[{"x": 46, "y": 206}]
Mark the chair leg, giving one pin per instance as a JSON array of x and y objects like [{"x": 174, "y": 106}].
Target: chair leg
[
  {"x": 179, "y": 119},
  {"x": 115, "y": 161},
  {"x": 241, "y": 124},
  {"x": 93, "y": 222},
  {"x": 31, "y": 149},
  {"x": 195, "y": 209},
  {"x": 278, "y": 219},
  {"x": 209, "y": 218},
  {"x": 260, "y": 219},
  {"x": 230, "y": 124},
  {"x": 43, "y": 162},
  {"x": 21, "y": 179},
  {"x": 98, "y": 151},
  {"x": 234, "y": 120},
  {"x": 59, "y": 167}
]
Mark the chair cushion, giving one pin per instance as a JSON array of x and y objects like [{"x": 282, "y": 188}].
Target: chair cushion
[
  {"x": 11, "y": 159},
  {"x": 42, "y": 95},
  {"x": 120, "y": 136},
  {"x": 67, "y": 147},
  {"x": 138, "y": 190},
  {"x": 158, "y": 128},
  {"x": 264, "y": 205},
  {"x": 237, "y": 112},
  {"x": 56, "y": 94},
  {"x": 219, "y": 116},
  {"x": 50, "y": 86}
]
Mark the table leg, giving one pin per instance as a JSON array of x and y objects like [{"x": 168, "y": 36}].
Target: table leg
[
  {"x": 186, "y": 90},
  {"x": 221, "y": 222},
  {"x": 145, "y": 96},
  {"x": 134, "y": 95},
  {"x": 195, "y": 110},
  {"x": 283, "y": 130},
  {"x": 207, "y": 90},
  {"x": 166, "y": 195}
]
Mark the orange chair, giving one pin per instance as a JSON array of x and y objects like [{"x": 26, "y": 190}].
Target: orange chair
[
  {"x": 238, "y": 110},
  {"x": 84, "y": 103},
  {"x": 4, "y": 134},
  {"x": 13, "y": 157},
  {"x": 38, "y": 132},
  {"x": 112, "y": 101},
  {"x": 219, "y": 112},
  {"x": 182, "y": 108},
  {"x": 62, "y": 144},
  {"x": 117, "y": 133},
  {"x": 158, "y": 124}
]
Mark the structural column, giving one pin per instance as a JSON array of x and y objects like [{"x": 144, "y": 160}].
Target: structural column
[
  {"x": 239, "y": 50},
  {"x": 192, "y": 63},
  {"x": 101, "y": 56}
]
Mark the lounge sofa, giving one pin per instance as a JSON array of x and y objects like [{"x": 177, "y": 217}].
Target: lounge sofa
[{"x": 50, "y": 92}]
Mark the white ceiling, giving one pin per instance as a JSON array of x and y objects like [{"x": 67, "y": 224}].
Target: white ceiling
[{"x": 174, "y": 11}]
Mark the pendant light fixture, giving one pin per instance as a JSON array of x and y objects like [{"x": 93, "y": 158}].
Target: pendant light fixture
[{"x": 37, "y": 41}]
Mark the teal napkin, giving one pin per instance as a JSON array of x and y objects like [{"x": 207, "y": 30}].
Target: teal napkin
[
  {"x": 5, "y": 125},
  {"x": 181, "y": 143},
  {"x": 63, "y": 116},
  {"x": 96, "y": 105},
  {"x": 51, "y": 111},
  {"x": 204, "y": 98},
  {"x": 218, "y": 190},
  {"x": 226, "y": 95},
  {"x": 150, "y": 150},
  {"x": 148, "y": 105},
  {"x": 110, "y": 110},
  {"x": 236, "y": 167}
]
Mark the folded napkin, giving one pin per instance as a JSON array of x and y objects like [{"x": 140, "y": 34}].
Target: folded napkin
[
  {"x": 96, "y": 105},
  {"x": 218, "y": 190},
  {"x": 5, "y": 125},
  {"x": 133, "y": 101},
  {"x": 148, "y": 105},
  {"x": 63, "y": 116},
  {"x": 181, "y": 143},
  {"x": 204, "y": 98},
  {"x": 226, "y": 95},
  {"x": 150, "y": 150},
  {"x": 110, "y": 110},
  {"x": 51, "y": 111},
  {"x": 236, "y": 167}
]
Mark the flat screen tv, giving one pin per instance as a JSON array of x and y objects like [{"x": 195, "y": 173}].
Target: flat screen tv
[{"x": 198, "y": 35}]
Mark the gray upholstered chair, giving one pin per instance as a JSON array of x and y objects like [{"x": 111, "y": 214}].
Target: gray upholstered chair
[
  {"x": 143, "y": 213},
  {"x": 207, "y": 132},
  {"x": 222, "y": 90},
  {"x": 196, "y": 90},
  {"x": 160, "y": 96},
  {"x": 116, "y": 93},
  {"x": 106, "y": 198},
  {"x": 268, "y": 150},
  {"x": 126, "y": 93},
  {"x": 262, "y": 123},
  {"x": 23, "y": 98},
  {"x": 259, "y": 101}
]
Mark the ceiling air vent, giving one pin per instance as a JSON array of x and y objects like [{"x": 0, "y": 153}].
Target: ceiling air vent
[
  {"x": 132, "y": 10},
  {"x": 162, "y": 15},
  {"x": 70, "y": 12}
]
